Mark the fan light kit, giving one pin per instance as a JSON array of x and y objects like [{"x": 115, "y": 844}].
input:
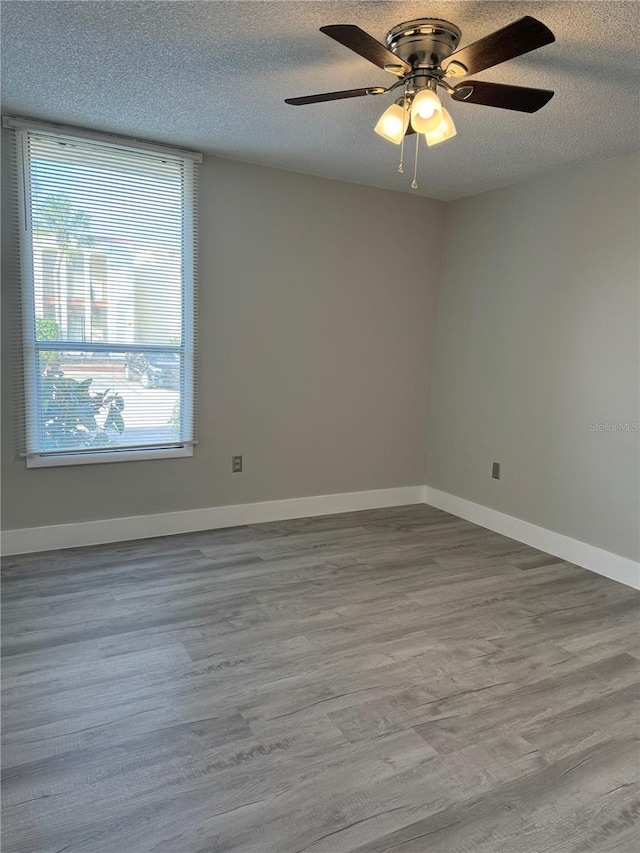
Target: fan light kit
[{"x": 422, "y": 55}]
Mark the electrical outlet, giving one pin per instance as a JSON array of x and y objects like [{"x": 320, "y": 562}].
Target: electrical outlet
[
  {"x": 236, "y": 464},
  {"x": 495, "y": 471}
]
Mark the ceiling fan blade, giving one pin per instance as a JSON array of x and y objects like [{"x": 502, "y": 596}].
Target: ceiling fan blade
[
  {"x": 335, "y": 96},
  {"x": 365, "y": 45},
  {"x": 513, "y": 40},
  {"x": 519, "y": 98}
]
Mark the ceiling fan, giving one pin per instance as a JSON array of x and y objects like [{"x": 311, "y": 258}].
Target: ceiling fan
[{"x": 422, "y": 54}]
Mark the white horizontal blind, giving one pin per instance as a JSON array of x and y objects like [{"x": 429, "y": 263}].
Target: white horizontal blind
[{"x": 109, "y": 301}]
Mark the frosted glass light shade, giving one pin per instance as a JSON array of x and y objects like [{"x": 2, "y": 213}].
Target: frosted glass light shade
[
  {"x": 426, "y": 111},
  {"x": 392, "y": 124},
  {"x": 445, "y": 130}
]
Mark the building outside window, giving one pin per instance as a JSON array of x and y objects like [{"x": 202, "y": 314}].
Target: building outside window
[{"x": 98, "y": 276}]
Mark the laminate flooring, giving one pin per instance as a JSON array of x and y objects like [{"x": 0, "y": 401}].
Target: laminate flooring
[{"x": 390, "y": 681}]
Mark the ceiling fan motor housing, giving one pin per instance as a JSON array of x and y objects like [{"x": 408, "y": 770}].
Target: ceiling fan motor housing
[{"x": 424, "y": 42}]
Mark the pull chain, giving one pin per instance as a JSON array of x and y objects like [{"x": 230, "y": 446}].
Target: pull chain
[
  {"x": 404, "y": 107},
  {"x": 414, "y": 183}
]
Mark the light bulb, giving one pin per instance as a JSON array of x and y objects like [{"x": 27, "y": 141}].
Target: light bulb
[
  {"x": 393, "y": 124},
  {"x": 426, "y": 111},
  {"x": 445, "y": 130}
]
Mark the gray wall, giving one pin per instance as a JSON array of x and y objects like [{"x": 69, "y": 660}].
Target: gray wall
[
  {"x": 316, "y": 339},
  {"x": 537, "y": 338},
  {"x": 316, "y": 330}
]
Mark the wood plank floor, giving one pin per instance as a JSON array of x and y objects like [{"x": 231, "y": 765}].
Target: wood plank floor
[{"x": 394, "y": 680}]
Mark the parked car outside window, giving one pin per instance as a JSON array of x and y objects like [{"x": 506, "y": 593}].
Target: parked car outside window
[{"x": 153, "y": 370}]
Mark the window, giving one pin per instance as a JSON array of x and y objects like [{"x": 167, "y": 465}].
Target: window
[{"x": 108, "y": 296}]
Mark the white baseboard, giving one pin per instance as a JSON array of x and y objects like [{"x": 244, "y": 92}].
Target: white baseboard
[
  {"x": 621, "y": 569},
  {"x": 54, "y": 537}
]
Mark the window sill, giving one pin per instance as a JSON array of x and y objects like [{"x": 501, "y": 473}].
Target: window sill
[{"x": 113, "y": 456}]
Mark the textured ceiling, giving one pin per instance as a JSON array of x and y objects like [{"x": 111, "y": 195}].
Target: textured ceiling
[{"x": 213, "y": 76}]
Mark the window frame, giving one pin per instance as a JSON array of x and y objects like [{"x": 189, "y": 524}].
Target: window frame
[{"x": 31, "y": 347}]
